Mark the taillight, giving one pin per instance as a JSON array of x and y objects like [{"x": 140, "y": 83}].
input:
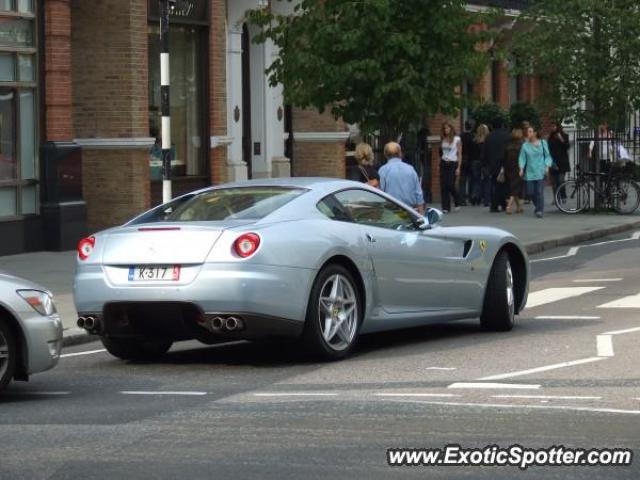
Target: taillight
[
  {"x": 246, "y": 244},
  {"x": 85, "y": 247}
]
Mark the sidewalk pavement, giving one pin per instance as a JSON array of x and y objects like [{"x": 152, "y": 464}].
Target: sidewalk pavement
[{"x": 55, "y": 270}]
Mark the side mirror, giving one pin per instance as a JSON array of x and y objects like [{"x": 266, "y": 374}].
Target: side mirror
[{"x": 432, "y": 218}]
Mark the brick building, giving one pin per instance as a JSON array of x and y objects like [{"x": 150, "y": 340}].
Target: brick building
[{"x": 80, "y": 112}]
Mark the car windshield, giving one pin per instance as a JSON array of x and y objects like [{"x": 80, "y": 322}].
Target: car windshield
[{"x": 243, "y": 203}]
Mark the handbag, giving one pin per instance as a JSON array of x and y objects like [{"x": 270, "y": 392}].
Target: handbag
[{"x": 501, "y": 177}]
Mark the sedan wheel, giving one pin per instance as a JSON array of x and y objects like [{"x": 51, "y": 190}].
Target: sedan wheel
[
  {"x": 7, "y": 354},
  {"x": 498, "y": 312},
  {"x": 334, "y": 313}
]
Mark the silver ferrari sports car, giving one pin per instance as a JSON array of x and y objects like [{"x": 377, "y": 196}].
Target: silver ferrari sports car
[
  {"x": 324, "y": 260},
  {"x": 30, "y": 329}
]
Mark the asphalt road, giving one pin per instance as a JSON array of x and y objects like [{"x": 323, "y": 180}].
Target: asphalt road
[{"x": 566, "y": 375}]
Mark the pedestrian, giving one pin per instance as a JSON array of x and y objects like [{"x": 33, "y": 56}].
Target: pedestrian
[
  {"x": 534, "y": 162},
  {"x": 400, "y": 179},
  {"x": 450, "y": 165},
  {"x": 479, "y": 186},
  {"x": 513, "y": 179},
  {"x": 494, "y": 151},
  {"x": 559, "y": 150},
  {"x": 465, "y": 179},
  {"x": 366, "y": 170}
]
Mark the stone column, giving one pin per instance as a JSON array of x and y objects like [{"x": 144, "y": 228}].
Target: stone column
[{"x": 236, "y": 167}]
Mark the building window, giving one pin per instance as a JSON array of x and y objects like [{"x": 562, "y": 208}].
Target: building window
[
  {"x": 18, "y": 109},
  {"x": 188, "y": 142}
]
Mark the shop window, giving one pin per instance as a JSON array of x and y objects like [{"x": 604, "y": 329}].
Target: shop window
[
  {"x": 188, "y": 145},
  {"x": 18, "y": 110}
]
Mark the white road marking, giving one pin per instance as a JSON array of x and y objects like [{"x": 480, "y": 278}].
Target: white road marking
[
  {"x": 622, "y": 332},
  {"x": 550, "y": 295},
  {"x": 632, "y": 301},
  {"x": 478, "y": 385},
  {"x": 604, "y": 344},
  {"x": 77, "y": 354},
  {"x": 549, "y": 397},
  {"x": 443, "y": 395},
  {"x": 566, "y": 317},
  {"x": 141, "y": 392},
  {"x": 597, "y": 280},
  {"x": 447, "y": 369},
  {"x": 533, "y": 407},
  {"x": 546, "y": 368},
  {"x": 574, "y": 250},
  {"x": 296, "y": 394}
]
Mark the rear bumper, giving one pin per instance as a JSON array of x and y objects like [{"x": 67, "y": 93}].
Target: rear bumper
[{"x": 272, "y": 297}]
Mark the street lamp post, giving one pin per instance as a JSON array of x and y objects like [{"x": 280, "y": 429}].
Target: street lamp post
[{"x": 165, "y": 104}]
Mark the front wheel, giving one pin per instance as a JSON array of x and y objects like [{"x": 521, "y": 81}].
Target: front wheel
[
  {"x": 498, "y": 311},
  {"x": 334, "y": 314},
  {"x": 625, "y": 196},
  {"x": 572, "y": 197},
  {"x": 139, "y": 349},
  {"x": 8, "y": 353}
]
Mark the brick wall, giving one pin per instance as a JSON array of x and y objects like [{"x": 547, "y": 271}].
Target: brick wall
[
  {"x": 115, "y": 187},
  {"x": 218, "y": 88},
  {"x": 57, "y": 66},
  {"x": 110, "y": 100},
  {"x": 317, "y": 159}
]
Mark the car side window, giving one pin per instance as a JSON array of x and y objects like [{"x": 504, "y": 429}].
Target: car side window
[
  {"x": 368, "y": 208},
  {"x": 330, "y": 207}
]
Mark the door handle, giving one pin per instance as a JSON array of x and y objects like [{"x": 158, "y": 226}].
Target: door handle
[{"x": 371, "y": 238}]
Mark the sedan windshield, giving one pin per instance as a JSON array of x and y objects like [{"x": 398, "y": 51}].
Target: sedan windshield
[{"x": 244, "y": 203}]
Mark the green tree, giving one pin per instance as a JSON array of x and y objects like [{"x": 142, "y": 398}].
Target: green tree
[
  {"x": 490, "y": 114},
  {"x": 588, "y": 53},
  {"x": 521, "y": 112},
  {"x": 384, "y": 64}
]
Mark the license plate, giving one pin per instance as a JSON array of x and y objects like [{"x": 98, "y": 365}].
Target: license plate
[{"x": 154, "y": 273}]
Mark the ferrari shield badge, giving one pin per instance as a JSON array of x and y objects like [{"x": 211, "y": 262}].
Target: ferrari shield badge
[{"x": 483, "y": 246}]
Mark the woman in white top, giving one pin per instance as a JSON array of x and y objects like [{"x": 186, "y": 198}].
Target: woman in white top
[{"x": 451, "y": 160}]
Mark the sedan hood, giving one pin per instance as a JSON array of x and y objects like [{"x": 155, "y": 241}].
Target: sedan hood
[{"x": 161, "y": 243}]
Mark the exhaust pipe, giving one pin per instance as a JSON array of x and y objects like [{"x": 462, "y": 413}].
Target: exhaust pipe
[
  {"x": 233, "y": 323},
  {"x": 89, "y": 323},
  {"x": 217, "y": 323},
  {"x": 81, "y": 322}
]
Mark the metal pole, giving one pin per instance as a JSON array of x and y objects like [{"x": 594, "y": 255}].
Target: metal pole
[{"x": 164, "y": 100}]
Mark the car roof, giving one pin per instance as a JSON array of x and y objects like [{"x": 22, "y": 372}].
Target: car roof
[{"x": 311, "y": 183}]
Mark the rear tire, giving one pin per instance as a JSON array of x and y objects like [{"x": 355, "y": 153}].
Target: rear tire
[
  {"x": 498, "y": 311},
  {"x": 8, "y": 354},
  {"x": 626, "y": 197},
  {"x": 334, "y": 314},
  {"x": 139, "y": 349}
]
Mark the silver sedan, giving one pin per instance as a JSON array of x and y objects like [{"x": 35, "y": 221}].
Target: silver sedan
[
  {"x": 30, "y": 329},
  {"x": 320, "y": 259}
]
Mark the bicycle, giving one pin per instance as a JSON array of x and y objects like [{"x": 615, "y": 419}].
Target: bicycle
[{"x": 616, "y": 191}]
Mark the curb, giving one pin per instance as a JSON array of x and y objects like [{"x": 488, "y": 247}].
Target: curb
[
  {"x": 538, "y": 247},
  {"x": 76, "y": 336}
]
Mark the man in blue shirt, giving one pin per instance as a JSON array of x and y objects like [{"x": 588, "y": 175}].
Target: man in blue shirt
[{"x": 399, "y": 179}]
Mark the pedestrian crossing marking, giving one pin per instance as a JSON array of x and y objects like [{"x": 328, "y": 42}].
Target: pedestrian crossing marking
[
  {"x": 631, "y": 301},
  {"x": 550, "y": 295}
]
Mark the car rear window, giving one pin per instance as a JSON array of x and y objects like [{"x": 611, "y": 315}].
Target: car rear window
[{"x": 243, "y": 203}]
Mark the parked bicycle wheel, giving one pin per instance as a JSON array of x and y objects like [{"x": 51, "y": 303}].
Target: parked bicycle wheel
[
  {"x": 572, "y": 197},
  {"x": 625, "y": 196}
]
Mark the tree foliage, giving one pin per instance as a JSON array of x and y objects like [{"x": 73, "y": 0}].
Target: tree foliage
[
  {"x": 490, "y": 114},
  {"x": 378, "y": 63},
  {"x": 521, "y": 112},
  {"x": 587, "y": 51}
]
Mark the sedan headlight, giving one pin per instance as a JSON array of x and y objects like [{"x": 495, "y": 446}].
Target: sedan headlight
[{"x": 41, "y": 302}]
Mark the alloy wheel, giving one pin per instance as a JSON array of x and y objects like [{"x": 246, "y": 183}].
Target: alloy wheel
[{"x": 338, "y": 312}]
